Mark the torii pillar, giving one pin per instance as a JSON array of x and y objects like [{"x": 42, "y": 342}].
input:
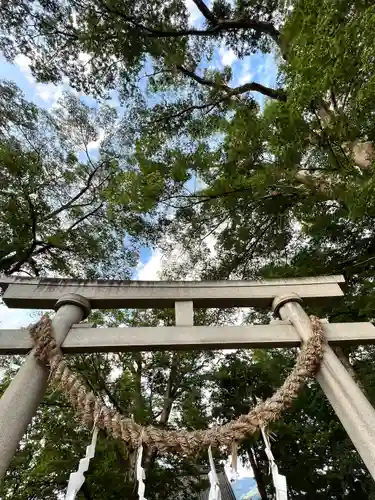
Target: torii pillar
[
  {"x": 20, "y": 401},
  {"x": 352, "y": 407}
]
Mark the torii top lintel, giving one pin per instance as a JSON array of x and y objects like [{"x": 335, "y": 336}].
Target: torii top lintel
[{"x": 43, "y": 293}]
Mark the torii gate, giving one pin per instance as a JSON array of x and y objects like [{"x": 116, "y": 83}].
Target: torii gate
[{"x": 73, "y": 301}]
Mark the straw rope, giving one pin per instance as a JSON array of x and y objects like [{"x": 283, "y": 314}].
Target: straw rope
[{"x": 92, "y": 409}]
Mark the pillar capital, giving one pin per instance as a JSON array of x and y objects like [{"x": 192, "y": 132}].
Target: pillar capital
[
  {"x": 75, "y": 300},
  {"x": 283, "y": 299}
]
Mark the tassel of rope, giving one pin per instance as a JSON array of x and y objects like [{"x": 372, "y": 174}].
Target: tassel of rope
[{"x": 91, "y": 409}]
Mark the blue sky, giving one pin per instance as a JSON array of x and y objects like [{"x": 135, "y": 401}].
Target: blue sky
[{"x": 260, "y": 68}]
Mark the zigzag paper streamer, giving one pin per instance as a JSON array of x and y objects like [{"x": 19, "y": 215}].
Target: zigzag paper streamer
[
  {"x": 76, "y": 479},
  {"x": 141, "y": 476},
  {"x": 279, "y": 481},
  {"x": 215, "y": 493}
]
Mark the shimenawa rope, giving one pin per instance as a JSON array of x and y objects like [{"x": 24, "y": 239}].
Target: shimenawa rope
[{"x": 92, "y": 409}]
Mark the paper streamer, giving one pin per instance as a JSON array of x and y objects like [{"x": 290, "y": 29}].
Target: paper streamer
[
  {"x": 215, "y": 493},
  {"x": 232, "y": 470},
  {"x": 279, "y": 481},
  {"x": 234, "y": 458},
  {"x": 76, "y": 479},
  {"x": 141, "y": 476}
]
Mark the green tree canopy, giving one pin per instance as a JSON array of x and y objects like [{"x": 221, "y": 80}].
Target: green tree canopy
[
  {"x": 56, "y": 217},
  {"x": 120, "y": 37}
]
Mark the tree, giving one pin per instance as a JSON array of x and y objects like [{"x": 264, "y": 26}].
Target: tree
[
  {"x": 55, "y": 217},
  {"x": 271, "y": 184},
  {"x": 305, "y": 144},
  {"x": 55, "y": 34},
  {"x": 130, "y": 32}
]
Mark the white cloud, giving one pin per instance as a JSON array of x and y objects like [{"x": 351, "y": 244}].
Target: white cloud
[
  {"x": 178, "y": 258},
  {"x": 243, "y": 469},
  {"x": 84, "y": 57},
  {"x": 246, "y": 70},
  {"x": 150, "y": 271},
  {"x": 158, "y": 262},
  {"x": 227, "y": 57},
  {"x": 267, "y": 70},
  {"x": 47, "y": 92},
  {"x": 194, "y": 12},
  {"x": 211, "y": 241},
  {"x": 23, "y": 62},
  {"x": 246, "y": 77},
  {"x": 94, "y": 145},
  {"x": 74, "y": 19}
]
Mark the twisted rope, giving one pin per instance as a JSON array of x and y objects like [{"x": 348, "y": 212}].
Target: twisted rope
[{"x": 92, "y": 409}]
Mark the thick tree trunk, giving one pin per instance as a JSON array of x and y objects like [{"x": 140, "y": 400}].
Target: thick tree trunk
[
  {"x": 362, "y": 152},
  {"x": 169, "y": 396},
  {"x": 138, "y": 413}
]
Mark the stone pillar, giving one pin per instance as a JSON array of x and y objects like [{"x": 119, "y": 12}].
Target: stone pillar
[
  {"x": 20, "y": 401},
  {"x": 350, "y": 404}
]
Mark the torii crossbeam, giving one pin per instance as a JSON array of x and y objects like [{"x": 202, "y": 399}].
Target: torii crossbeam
[{"x": 73, "y": 301}]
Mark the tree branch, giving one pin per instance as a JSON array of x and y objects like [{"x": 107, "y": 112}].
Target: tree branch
[
  {"x": 86, "y": 216},
  {"x": 32, "y": 214},
  {"x": 19, "y": 258},
  {"x": 274, "y": 94},
  {"x": 344, "y": 358},
  {"x": 259, "y": 26},
  {"x": 77, "y": 196},
  {"x": 33, "y": 266},
  {"x": 169, "y": 397},
  {"x": 191, "y": 108},
  {"x": 138, "y": 396},
  {"x": 103, "y": 386},
  {"x": 201, "y": 80},
  {"x": 220, "y": 25},
  {"x": 257, "y": 475},
  {"x": 203, "y": 198},
  {"x": 278, "y": 94},
  {"x": 205, "y": 11}
]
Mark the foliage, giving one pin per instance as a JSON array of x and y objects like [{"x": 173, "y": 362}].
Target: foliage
[
  {"x": 54, "y": 34},
  {"x": 55, "y": 215}
]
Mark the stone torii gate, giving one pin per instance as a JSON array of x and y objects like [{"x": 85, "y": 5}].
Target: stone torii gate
[{"x": 73, "y": 301}]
